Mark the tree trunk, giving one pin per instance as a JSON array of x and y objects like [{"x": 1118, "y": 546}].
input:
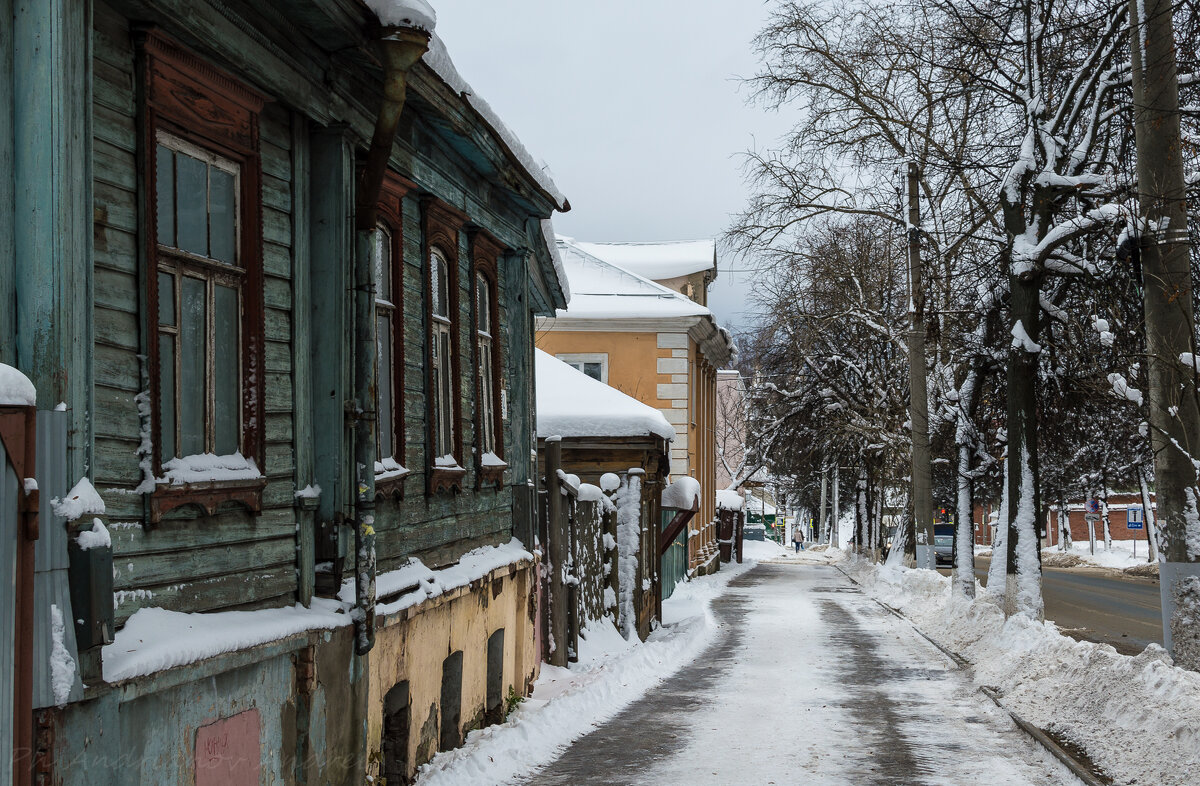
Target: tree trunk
[
  {"x": 964, "y": 531},
  {"x": 1148, "y": 517},
  {"x": 835, "y": 525},
  {"x": 1174, "y": 416},
  {"x": 822, "y": 520},
  {"x": 1023, "y": 590},
  {"x": 1104, "y": 510},
  {"x": 918, "y": 404}
]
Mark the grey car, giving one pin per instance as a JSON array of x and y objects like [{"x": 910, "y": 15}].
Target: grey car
[{"x": 943, "y": 549}]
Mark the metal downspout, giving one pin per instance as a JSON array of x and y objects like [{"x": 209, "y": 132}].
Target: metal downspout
[{"x": 401, "y": 49}]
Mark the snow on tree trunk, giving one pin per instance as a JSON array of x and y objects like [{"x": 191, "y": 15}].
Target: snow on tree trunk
[
  {"x": 861, "y": 513},
  {"x": 1023, "y": 588},
  {"x": 1064, "y": 526},
  {"x": 1104, "y": 512},
  {"x": 1148, "y": 517},
  {"x": 629, "y": 534},
  {"x": 836, "y": 524},
  {"x": 964, "y": 540},
  {"x": 994, "y": 591}
]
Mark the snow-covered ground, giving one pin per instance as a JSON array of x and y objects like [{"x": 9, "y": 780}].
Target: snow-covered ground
[
  {"x": 1123, "y": 555},
  {"x": 567, "y": 703},
  {"x": 1137, "y": 717}
]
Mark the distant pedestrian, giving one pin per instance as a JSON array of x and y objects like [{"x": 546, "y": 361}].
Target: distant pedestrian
[{"x": 798, "y": 540}]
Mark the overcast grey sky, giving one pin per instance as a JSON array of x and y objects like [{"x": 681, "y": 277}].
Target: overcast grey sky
[{"x": 636, "y": 106}]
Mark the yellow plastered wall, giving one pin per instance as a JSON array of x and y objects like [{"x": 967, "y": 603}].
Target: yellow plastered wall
[
  {"x": 415, "y": 648},
  {"x": 645, "y": 365}
]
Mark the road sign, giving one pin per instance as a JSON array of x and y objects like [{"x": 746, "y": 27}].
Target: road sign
[
  {"x": 1091, "y": 517},
  {"x": 1092, "y": 506},
  {"x": 1133, "y": 518}
]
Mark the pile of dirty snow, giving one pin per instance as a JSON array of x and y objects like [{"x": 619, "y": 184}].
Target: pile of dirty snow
[{"x": 1137, "y": 717}]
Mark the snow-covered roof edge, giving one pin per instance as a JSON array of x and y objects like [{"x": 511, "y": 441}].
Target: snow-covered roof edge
[
  {"x": 572, "y": 404},
  {"x": 417, "y": 14},
  {"x": 556, "y": 259},
  {"x": 658, "y": 260},
  {"x": 438, "y": 59}
]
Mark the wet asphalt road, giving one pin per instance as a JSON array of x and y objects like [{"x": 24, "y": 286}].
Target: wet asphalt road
[
  {"x": 1099, "y": 605},
  {"x": 808, "y": 681}
]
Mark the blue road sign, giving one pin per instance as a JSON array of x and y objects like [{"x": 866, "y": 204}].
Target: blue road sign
[{"x": 1133, "y": 518}]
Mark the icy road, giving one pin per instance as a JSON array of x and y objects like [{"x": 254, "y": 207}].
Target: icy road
[{"x": 808, "y": 681}]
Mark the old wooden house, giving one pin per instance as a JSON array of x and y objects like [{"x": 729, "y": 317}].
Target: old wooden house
[{"x": 278, "y": 267}]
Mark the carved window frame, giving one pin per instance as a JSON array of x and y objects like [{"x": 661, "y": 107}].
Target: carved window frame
[
  {"x": 485, "y": 261},
  {"x": 390, "y": 483},
  {"x": 190, "y": 99}
]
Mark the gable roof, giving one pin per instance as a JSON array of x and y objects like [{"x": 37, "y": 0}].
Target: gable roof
[
  {"x": 601, "y": 289},
  {"x": 572, "y": 404},
  {"x": 659, "y": 261}
]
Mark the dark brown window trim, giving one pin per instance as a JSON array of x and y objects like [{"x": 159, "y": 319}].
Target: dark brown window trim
[
  {"x": 191, "y": 99},
  {"x": 391, "y": 213},
  {"x": 440, "y": 225},
  {"x": 485, "y": 256}
]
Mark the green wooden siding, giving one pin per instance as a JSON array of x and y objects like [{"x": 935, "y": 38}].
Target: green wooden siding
[{"x": 234, "y": 559}]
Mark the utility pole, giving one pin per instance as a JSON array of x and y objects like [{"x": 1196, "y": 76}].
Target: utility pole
[
  {"x": 918, "y": 403},
  {"x": 835, "y": 529},
  {"x": 1174, "y": 414}
]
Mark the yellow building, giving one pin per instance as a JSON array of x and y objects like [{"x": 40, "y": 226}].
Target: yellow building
[{"x": 651, "y": 342}]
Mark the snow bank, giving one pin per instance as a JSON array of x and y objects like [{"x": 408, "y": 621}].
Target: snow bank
[
  {"x": 405, "y": 13},
  {"x": 1137, "y": 717},
  {"x": 82, "y": 500},
  {"x": 572, "y": 404},
  {"x": 728, "y": 499},
  {"x": 683, "y": 494},
  {"x": 1119, "y": 557},
  {"x": 567, "y": 703},
  {"x": 15, "y": 388}
]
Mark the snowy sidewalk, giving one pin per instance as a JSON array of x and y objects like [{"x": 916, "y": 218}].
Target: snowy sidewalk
[{"x": 808, "y": 681}]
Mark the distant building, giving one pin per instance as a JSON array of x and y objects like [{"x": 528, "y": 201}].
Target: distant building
[{"x": 652, "y": 343}]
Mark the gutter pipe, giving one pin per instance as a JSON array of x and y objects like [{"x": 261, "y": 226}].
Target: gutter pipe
[{"x": 401, "y": 49}]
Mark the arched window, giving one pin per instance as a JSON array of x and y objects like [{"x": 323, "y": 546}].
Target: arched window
[{"x": 441, "y": 332}]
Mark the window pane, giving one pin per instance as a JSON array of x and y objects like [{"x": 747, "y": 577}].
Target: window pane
[
  {"x": 437, "y": 275},
  {"x": 191, "y": 198},
  {"x": 482, "y": 305},
  {"x": 444, "y": 287},
  {"x": 166, "y": 299},
  {"x": 383, "y": 264},
  {"x": 166, "y": 396},
  {"x": 222, "y": 230},
  {"x": 487, "y": 419},
  {"x": 592, "y": 370},
  {"x": 226, "y": 379},
  {"x": 165, "y": 198},
  {"x": 192, "y": 313},
  {"x": 383, "y": 397},
  {"x": 445, "y": 394}
]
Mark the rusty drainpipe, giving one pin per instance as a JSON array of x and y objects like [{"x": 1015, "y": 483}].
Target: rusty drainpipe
[{"x": 401, "y": 49}]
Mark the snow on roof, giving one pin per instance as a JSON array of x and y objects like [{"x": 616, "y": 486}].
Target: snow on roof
[
  {"x": 405, "y": 13},
  {"x": 556, "y": 258},
  {"x": 15, "y": 388},
  {"x": 658, "y": 261},
  {"x": 603, "y": 289},
  {"x": 572, "y": 404},
  {"x": 438, "y": 59}
]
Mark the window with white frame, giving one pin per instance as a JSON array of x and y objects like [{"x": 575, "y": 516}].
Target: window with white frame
[
  {"x": 441, "y": 328},
  {"x": 199, "y": 294},
  {"x": 484, "y": 348},
  {"x": 594, "y": 364}
]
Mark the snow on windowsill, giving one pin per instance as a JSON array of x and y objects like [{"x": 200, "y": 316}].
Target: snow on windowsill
[
  {"x": 447, "y": 462},
  {"x": 490, "y": 459},
  {"x": 206, "y": 467},
  {"x": 389, "y": 468},
  {"x": 311, "y": 491}
]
